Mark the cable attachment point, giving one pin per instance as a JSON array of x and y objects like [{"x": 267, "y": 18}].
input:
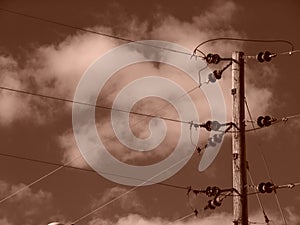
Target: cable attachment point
[
  {"x": 212, "y": 58},
  {"x": 265, "y": 56},
  {"x": 211, "y": 125},
  {"x": 212, "y": 191},
  {"x": 265, "y": 121},
  {"x": 266, "y": 187},
  {"x": 217, "y": 74},
  {"x": 213, "y": 203}
]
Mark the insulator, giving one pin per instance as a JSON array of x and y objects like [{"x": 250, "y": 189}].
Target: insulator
[
  {"x": 212, "y": 191},
  {"x": 269, "y": 187},
  {"x": 218, "y": 138},
  {"x": 208, "y": 191},
  {"x": 209, "y": 58},
  {"x": 213, "y": 58},
  {"x": 212, "y": 125},
  {"x": 211, "y": 205},
  {"x": 267, "y": 121},
  {"x": 216, "y": 58},
  {"x": 208, "y": 125},
  {"x": 265, "y": 187},
  {"x": 261, "y": 187},
  {"x": 217, "y": 74},
  {"x": 265, "y": 56},
  {"x": 211, "y": 78},
  {"x": 259, "y": 57},
  {"x": 260, "y": 121},
  {"x": 217, "y": 202},
  {"x": 264, "y": 121},
  {"x": 211, "y": 142},
  {"x": 215, "y": 125}
]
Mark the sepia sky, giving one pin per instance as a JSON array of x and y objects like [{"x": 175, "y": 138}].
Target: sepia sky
[{"x": 50, "y": 59}]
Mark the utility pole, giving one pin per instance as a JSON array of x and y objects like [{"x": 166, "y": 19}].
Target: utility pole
[{"x": 239, "y": 163}]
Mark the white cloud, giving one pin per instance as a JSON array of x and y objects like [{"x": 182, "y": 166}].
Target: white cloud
[
  {"x": 128, "y": 203},
  {"x": 56, "y": 69},
  {"x": 71, "y": 154},
  {"x": 28, "y": 205},
  {"x": 213, "y": 219},
  {"x": 51, "y": 70}
]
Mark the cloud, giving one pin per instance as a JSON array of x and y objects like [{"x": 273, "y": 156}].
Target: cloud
[
  {"x": 56, "y": 69},
  {"x": 213, "y": 219},
  {"x": 209, "y": 24},
  {"x": 28, "y": 205},
  {"x": 129, "y": 202},
  {"x": 51, "y": 70},
  {"x": 70, "y": 152}
]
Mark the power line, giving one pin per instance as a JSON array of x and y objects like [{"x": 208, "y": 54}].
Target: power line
[
  {"x": 284, "y": 119},
  {"x": 258, "y": 199},
  {"x": 127, "y": 192},
  {"x": 69, "y": 162},
  {"x": 91, "y": 31},
  {"x": 92, "y": 105},
  {"x": 244, "y": 40},
  {"x": 265, "y": 162},
  {"x": 84, "y": 169},
  {"x": 182, "y": 218}
]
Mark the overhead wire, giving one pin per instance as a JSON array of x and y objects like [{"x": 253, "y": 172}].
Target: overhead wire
[
  {"x": 67, "y": 163},
  {"x": 265, "y": 162},
  {"x": 129, "y": 40},
  {"x": 91, "y": 105},
  {"x": 267, "y": 220},
  {"x": 127, "y": 192},
  {"x": 244, "y": 40},
  {"x": 183, "y": 218},
  {"x": 87, "y": 104},
  {"x": 118, "y": 197},
  {"x": 86, "y": 169},
  {"x": 92, "y": 31},
  {"x": 289, "y": 52},
  {"x": 37, "y": 180}
]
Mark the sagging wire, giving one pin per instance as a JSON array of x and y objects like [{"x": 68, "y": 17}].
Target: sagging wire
[
  {"x": 45, "y": 20},
  {"x": 243, "y": 40},
  {"x": 39, "y": 179},
  {"x": 92, "y": 105},
  {"x": 127, "y": 192},
  {"x": 87, "y": 170},
  {"x": 83, "y": 103},
  {"x": 199, "y": 76},
  {"x": 265, "y": 161},
  {"x": 79, "y": 156}
]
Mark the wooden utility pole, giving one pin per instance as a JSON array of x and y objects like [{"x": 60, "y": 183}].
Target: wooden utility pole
[{"x": 239, "y": 163}]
